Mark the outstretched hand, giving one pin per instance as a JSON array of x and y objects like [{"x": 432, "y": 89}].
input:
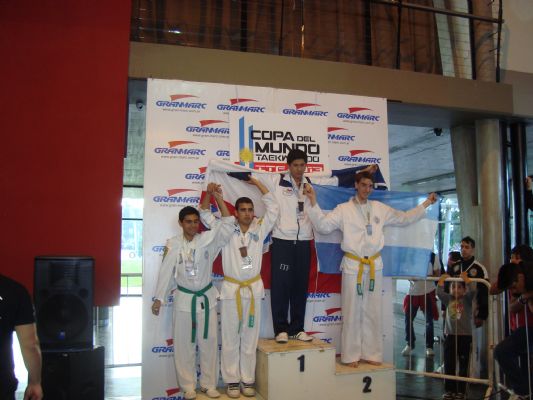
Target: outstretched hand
[{"x": 431, "y": 199}]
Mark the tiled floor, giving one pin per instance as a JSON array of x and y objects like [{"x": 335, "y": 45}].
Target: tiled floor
[{"x": 122, "y": 340}]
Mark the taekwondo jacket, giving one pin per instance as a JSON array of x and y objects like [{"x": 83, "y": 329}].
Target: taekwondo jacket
[
  {"x": 206, "y": 247},
  {"x": 254, "y": 239},
  {"x": 288, "y": 227}
]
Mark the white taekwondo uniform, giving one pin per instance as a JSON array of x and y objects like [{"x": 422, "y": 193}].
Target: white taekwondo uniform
[
  {"x": 242, "y": 287},
  {"x": 361, "y": 337},
  {"x": 190, "y": 266}
]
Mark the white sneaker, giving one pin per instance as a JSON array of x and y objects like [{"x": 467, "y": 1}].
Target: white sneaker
[
  {"x": 282, "y": 337},
  {"x": 407, "y": 350},
  {"x": 429, "y": 352},
  {"x": 211, "y": 393},
  {"x": 248, "y": 389},
  {"x": 233, "y": 390},
  {"x": 304, "y": 337},
  {"x": 189, "y": 395}
]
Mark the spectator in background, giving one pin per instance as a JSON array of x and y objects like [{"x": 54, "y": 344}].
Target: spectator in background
[
  {"x": 519, "y": 314},
  {"x": 421, "y": 295},
  {"x": 516, "y": 348},
  {"x": 17, "y": 315},
  {"x": 474, "y": 269},
  {"x": 458, "y": 329}
]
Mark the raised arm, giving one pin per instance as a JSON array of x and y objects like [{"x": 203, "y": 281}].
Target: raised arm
[
  {"x": 272, "y": 207},
  {"x": 322, "y": 223},
  {"x": 258, "y": 184},
  {"x": 206, "y": 216},
  {"x": 31, "y": 354},
  {"x": 397, "y": 217},
  {"x": 224, "y": 212}
]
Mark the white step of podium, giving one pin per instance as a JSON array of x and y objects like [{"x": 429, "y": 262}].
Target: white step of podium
[
  {"x": 366, "y": 382},
  {"x": 309, "y": 371},
  {"x": 295, "y": 370}
]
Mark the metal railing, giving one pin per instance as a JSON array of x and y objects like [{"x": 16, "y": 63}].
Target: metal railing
[{"x": 491, "y": 340}]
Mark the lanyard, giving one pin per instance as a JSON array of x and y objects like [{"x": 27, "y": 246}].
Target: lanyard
[
  {"x": 187, "y": 250},
  {"x": 298, "y": 190},
  {"x": 242, "y": 237},
  {"x": 362, "y": 211}
]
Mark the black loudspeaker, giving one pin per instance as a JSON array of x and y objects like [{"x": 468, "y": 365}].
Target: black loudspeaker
[
  {"x": 63, "y": 295},
  {"x": 72, "y": 375}
]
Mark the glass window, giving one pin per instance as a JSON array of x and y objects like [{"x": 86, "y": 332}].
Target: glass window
[{"x": 131, "y": 250}]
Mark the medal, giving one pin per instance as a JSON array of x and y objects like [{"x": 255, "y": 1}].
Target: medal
[
  {"x": 187, "y": 256},
  {"x": 246, "y": 262},
  {"x": 369, "y": 230}
]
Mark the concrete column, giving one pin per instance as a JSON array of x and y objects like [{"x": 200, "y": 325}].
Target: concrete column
[
  {"x": 464, "y": 153},
  {"x": 478, "y": 171},
  {"x": 489, "y": 166}
]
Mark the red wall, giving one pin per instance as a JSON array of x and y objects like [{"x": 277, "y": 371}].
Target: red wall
[{"x": 64, "y": 71}]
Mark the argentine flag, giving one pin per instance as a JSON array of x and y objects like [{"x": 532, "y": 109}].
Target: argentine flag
[{"x": 407, "y": 248}]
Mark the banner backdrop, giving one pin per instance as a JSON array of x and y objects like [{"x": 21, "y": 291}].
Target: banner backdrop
[{"x": 187, "y": 124}]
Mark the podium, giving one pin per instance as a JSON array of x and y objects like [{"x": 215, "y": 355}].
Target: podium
[{"x": 309, "y": 370}]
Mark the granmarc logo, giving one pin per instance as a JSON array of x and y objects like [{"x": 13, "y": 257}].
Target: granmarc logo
[
  {"x": 336, "y": 133},
  {"x": 198, "y": 176},
  {"x": 318, "y": 295},
  {"x": 209, "y": 126},
  {"x": 359, "y": 114},
  {"x": 301, "y": 109},
  {"x": 182, "y": 101},
  {"x": 175, "y": 148},
  {"x": 361, "y": 156},
  {"x": 236, "y": 105},
  {"x": 175, "y": 196},
  {"x": 168, "y": 348},
  {"x": 158, "y": 249},
  {"x": 329, "y": 317}
]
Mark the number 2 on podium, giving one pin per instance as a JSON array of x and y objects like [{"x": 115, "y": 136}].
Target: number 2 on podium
[{"x": 367, "y": 380}]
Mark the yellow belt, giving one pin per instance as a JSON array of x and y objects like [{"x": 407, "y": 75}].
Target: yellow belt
[
  {"x": 362, "y": 261},
  {"x": 245, "y": 284}
]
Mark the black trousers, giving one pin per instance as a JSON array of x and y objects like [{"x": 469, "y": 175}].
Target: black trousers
[
  {"x": 456, "y": 348},
  {"x": 290, "y": 263},
  {"x": 512, "y": 354}
]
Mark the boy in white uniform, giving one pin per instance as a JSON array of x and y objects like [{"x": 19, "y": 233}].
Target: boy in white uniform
[
  {"x": 362, "y": 222},
  {"x": 188, "y": 262},
  {"x": 242, "y": 288}
]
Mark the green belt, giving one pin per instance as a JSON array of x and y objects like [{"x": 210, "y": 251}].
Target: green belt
[{"x": 193, "y": 309}]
